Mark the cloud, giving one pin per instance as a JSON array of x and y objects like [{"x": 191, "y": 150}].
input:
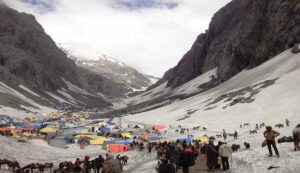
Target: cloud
[{"x": 150, "y": 35}]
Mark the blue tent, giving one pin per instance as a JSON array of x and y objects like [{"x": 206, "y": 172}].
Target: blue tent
[
  {"x": 105, "y": 129},
  {"x": 109, "y": 142},
  {"x": 155, "y": 138},
  {"x": 115, "y": 131},
  {"x": 124, "y": 142},
  {"x": 185, "y": 140}
]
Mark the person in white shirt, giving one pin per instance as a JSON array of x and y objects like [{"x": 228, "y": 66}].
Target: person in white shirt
[{"x": 225, "y": 151}]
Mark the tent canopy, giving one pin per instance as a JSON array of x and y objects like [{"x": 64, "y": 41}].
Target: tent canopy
[
  {"x": 117, "y": 148},
  {"x": 48, "y": 130},
  {"x": 98, "y": 141},
  {"x": 4, "y": 129},
  {"x": 159, "y": 127},
  {"x": 201, "y": 139},
  {"x": 126, "y": 135},
  {"x": 185, "y": 140}
]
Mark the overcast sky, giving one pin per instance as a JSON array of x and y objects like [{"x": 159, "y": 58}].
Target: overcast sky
[{"x": 150, "y": 35}]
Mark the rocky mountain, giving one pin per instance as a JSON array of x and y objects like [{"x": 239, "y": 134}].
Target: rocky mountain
[
  {"x": 241, "y": 35},
  {"x": 30, "y": 58},
  {"x": 118, "y": 72}
]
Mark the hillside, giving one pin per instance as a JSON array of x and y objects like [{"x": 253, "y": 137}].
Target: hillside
[
  {"x": 35, "y": 73},
  {"x": 241, "y": 36}
]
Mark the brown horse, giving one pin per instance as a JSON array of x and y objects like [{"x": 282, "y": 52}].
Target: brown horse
[
  {"x": 253, "y": 132},
  {"x": 11, "y": 164},
  {"x": 42, "y": 167},
  {"x": 28, "y": 168},
  {"x": 296, "y": 136},
  {"x": 285, "y": 139},
  {"x": 235, "y": 147},
  {"x": 279, "y": 125}
]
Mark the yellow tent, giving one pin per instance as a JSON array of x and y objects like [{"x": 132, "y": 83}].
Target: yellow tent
[
  {"x": 99, "y": 141},
  {"x": 126, "y": 135},
  {"x": 201, "y": 139},
  {"x": 27, "y": 134},
  {"x": 94, "y": 137},
  {"x": 48, "y": 130}
]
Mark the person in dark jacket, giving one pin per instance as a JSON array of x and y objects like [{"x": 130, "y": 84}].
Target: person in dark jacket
[
  {"x": 98, "y": 163},
  {"x": 173, "y": 156},
  {"x": 212, "y": 155},
  {"x": 166, "y": 167},
  {"x": 87, "y": 164},
  {"x": 187, "y": 158}
]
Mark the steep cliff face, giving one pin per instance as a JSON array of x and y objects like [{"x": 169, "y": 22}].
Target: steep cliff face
[
  {"x": 29, "y": 57},
  {"x": 241, "y": 35}
]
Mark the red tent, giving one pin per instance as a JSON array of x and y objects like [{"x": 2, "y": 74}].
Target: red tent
[
  {"x": 117, "y": 148},
  {"x": 4, "y": 129},
  {"x": 158, "y": 127}
]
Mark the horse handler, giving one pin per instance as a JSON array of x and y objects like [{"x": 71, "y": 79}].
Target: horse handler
[{"x": 270, "y": 136}]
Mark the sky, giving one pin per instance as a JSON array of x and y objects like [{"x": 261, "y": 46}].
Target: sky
[{"x": 149, "y": 35}]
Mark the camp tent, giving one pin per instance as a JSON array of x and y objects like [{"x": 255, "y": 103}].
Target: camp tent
[
  {"x": 5, "y": 129},
  {"x": 105, "y": 129},
  {"x": 201, "y": 139},
  {"x": 90, "y": 136},
  {"x": 155, "y": 138},
  {"x": 124, "y": 142},
  {"x": 48, "y": 130},
  {"x": 185, "y": 140},
  {"x": 159, "y": 127},
  {"x": 117, "y": 148},
  {"x": 126, "y": 135},
  {"x": 98, "y": 141}
]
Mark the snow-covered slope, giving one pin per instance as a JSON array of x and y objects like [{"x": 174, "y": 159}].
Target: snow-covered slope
[{"x": 268, "y": 93}]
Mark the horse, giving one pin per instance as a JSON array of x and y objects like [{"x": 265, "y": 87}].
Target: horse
[
  {"x": 28, "y": 168},
  {"x": 279, "y": 125},
  {"x": 66, "y": 167},
  {"x": 196, "y": 128},
  {"x": 246, "y": 124},
  {"x": 285, "y": 139},
  {"x": 219, "y": 136},
  {"x": 3, "y": 162},
  {"x": 13, "y": 165},
  {"x": 230, "y": 134},
  {"x": 253, "y": 132},
  {"x": 123, "y": 159},
  {"x": 296, "y": 136},
  {"x": 204, "y": 128},
  {"x": 235, "y": 147},
  {"x": 42, "y": 167}
]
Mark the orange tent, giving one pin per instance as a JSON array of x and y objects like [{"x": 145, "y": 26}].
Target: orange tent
[
  {"x": 145, "y": 137},
  {"x": 158, "y": 127},
  {"x": 117, "y": 148}
]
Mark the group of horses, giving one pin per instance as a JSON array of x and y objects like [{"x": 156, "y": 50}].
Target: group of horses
[{"x": 15, "y": 166}]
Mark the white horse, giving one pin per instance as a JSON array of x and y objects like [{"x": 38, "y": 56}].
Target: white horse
[{"x": 296, "y": 136}]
